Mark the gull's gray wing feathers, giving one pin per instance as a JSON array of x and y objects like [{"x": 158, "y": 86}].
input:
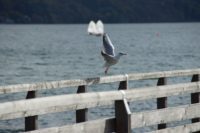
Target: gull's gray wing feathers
[
  {"x": 108, "y": 47},
  {"x": 106, "y": 57}
]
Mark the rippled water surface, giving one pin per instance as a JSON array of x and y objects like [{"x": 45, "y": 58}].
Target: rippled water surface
[{"x": 35, "y": 53}]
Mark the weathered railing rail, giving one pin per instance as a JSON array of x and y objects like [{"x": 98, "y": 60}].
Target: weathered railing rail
[{"x": 124, "y": 120}]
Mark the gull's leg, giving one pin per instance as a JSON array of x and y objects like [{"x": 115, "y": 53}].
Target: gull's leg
[{"x": 106, "y": 71}]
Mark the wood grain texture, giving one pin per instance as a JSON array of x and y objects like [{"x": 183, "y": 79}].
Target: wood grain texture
[
  {"x": 96, "y": 126},
  {"x": 81, "y": 114},
  {"x": 165, "y": 115},
  {"x": 97, "y": 80},
  {"x": 123, "y": 116},
  {"x": 188, "y": 128},
  {"x": 38, "y": 106},
  {"x": 31, "y": 122}
]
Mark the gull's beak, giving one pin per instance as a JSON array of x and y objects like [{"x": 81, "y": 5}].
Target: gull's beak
[{"x": 123, "y": 53}]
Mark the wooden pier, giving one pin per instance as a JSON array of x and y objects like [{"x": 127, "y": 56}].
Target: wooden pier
[{"x": 124, "y": 120}]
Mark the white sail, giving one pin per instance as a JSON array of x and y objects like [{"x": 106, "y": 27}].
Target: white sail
[
  {"x": 100, "y": 27},
  {"x": 92, "y": 28},
  {"x": 96, "y": 29}
]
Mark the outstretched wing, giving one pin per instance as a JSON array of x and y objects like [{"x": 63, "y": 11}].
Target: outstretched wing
[
  {"x": 108, "y": 47},
  {"x": 106, "y": 57}
]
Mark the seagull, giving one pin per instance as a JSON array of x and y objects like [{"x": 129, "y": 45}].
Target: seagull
[{"x": 108, "y": 53}]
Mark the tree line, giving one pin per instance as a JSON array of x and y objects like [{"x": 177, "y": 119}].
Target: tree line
[{"x": 109, "y": 11}]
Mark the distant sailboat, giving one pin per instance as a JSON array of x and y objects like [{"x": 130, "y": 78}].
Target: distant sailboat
[
  {"x": 100, "y": 27},
  {"x": 96, "y": 29},
  {"x": 92, "y": 28}
]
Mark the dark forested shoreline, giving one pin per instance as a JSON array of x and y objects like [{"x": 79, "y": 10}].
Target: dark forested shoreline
[{"x": 109, "y": 11}]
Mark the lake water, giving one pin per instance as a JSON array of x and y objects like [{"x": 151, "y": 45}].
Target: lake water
[{"x": 35, "y": 53}]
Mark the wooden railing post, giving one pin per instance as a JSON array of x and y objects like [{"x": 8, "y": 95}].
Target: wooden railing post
[
  {"x": 122, "y": 111},
  {"x": 31, "y": 122},
  {"x": 81, "y": 114},
  {"x": 123, "y": 85},
  {"x": 195, "y": 97},
  {"x": 162, "y": 101},
  {"x": 123, "y": 116}
]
